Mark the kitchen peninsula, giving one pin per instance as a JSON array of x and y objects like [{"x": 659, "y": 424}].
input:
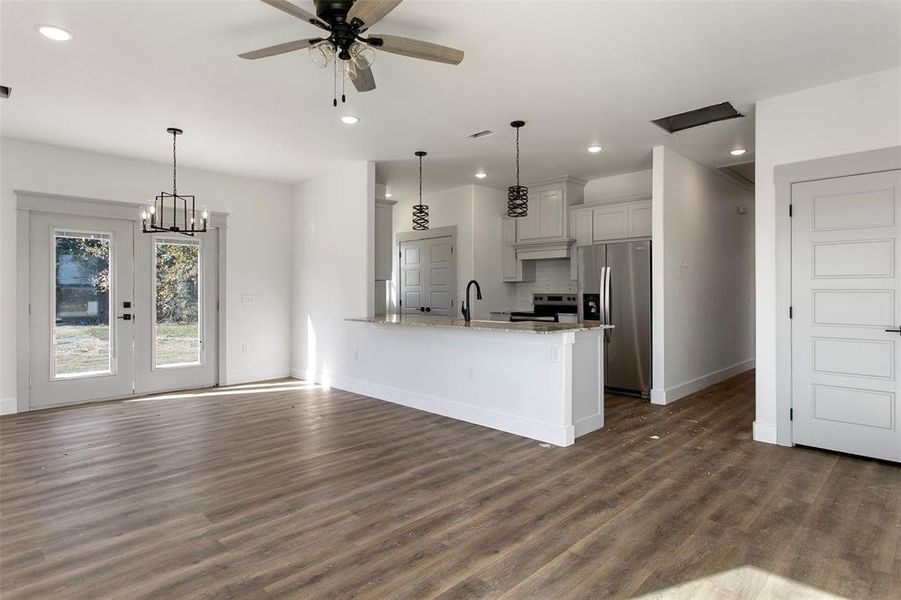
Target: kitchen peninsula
[{"x": 544, "y": 381}]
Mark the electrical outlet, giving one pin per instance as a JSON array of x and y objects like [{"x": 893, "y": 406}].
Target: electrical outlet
[
  {"x": 555, "y": 354},
  {"x": 247, "y": 299},
  {"x": 356, "y": 354},
  {"x": 245, "y": 348},
  {"x": 472, "y": 375}
]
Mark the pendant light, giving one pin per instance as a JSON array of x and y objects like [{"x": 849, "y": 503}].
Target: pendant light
[
  {"x": 517, "y": 195},
  {"x": 420, "y": 211},
  {"x": 183, "y": 217}
]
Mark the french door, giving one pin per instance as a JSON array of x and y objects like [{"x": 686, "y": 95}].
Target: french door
[{"x": 116, "y": 312}]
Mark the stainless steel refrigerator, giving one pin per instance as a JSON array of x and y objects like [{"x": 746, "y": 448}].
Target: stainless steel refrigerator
[{"x": 615, "y": 288}]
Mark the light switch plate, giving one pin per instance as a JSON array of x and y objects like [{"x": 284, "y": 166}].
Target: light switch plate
[{"x": 248, "y": 299}]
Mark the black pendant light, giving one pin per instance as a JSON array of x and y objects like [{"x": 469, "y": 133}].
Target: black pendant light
[
  {"x": 517, "y": 195},
  {"x": 420, "y": 211},
  {"x": 183, "y": 217}
]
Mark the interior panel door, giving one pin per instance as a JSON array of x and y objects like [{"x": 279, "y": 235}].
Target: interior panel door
[
  {"x": 414, "y": 277},
  {"x": 442, "y": 276},
  {"x": 845, "y": 365}
]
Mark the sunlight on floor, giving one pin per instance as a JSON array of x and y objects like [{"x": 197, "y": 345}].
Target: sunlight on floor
[
  {"x": 263, "y": 388},
  {"x": 743, "y": 582}
]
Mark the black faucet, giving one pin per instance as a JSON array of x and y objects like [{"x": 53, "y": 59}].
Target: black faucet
[{"x": 466, "y": 306}]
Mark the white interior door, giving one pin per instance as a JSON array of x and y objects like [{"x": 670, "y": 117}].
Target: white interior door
[
  {"x": 176, "y": 292},
  {"x": 442, "y": 276},
  {"x": 81, "y": 287},
  {"x": 413, "y": 277},
  {"x": 845, "y": 296},
  {"x": 428, "y": 276}
]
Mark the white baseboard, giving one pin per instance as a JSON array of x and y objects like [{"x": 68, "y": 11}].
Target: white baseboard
[
  {"x": 688, "y": 388},
  {"x": 588, "y": 424},
  {"x": 536, "y": 430},
  {"x": 254, "y": 376},
  {"x": 764, "y": 432},
  {"x": 8, "y": 406}
]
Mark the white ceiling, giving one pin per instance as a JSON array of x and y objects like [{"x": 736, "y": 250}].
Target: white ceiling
[{"x": 578, "y": 72}]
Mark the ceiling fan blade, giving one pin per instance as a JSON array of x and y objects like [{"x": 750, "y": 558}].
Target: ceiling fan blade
[
  {"x": 280, "y": 49},
  {"x": 396, "y": 44},
  {"x": 371, "y": 11},
  {"x": 296, "y": 11},
  {"x": 363, "y": 79}
]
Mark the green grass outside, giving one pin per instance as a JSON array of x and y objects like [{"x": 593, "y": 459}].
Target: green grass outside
[{"x": 86, "y": 348}]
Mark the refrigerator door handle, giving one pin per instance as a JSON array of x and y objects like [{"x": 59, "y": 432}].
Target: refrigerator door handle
[{"x": 605, "y": 295}]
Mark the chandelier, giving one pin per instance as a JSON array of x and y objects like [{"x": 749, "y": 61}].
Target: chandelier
[
  {"x": 517, "y": 195},
  {"x": 182, "y": 213},
  {"x": 352, "y": 62}
]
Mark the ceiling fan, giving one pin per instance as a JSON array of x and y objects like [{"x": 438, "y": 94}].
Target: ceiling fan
[{"x": 346, "y": 21}]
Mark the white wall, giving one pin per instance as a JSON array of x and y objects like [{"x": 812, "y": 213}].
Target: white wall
[
  {"x": 476, "y": 211},
  {"x": 617, "y": 187},
  {"x": 258, "y": 250},
  {"x": 705, "y": 261},
  {"x": 334, "y": 269},
  {"x": 848, "y": 116}
]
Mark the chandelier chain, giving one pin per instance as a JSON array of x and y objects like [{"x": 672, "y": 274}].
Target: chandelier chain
[{"x": 174, "y": 170}]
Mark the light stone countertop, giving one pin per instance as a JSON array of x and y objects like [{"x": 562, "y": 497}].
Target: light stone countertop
[{"x": 448, "y": 322}]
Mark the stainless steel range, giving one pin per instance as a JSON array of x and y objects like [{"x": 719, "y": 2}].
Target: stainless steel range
[{"x": 550, "y": 308}]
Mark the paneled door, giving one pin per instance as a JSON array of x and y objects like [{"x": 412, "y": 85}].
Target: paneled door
[
  {"x": 80, "y": 322},
  {"x": 428, "y": 276},
  {"x": 846, "y": 322},
  {"x": 176, "y": 291}
]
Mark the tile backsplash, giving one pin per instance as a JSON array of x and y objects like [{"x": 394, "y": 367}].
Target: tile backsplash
[{"x": 551, "y": 275}]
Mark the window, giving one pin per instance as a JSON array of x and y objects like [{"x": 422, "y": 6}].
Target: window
[
  {"x": 82, "y": 333},
  {"x": 177, "y": 311}
]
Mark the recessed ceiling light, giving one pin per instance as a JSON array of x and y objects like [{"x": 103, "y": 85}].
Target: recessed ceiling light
[
  {"x": 481, "y": 174},
  {"x": 350, "y": 120},
  {"x": 738, "y": 152},
  {"x": 388, "y": 194},
  {"x": 56, "y": 34},
  {"x": 595, "y": 149}
]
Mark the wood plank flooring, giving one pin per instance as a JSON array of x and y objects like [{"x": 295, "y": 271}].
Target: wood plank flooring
[{"x": 287, "y": 490}]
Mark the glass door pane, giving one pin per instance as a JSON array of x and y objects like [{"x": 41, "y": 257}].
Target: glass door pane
[
  {"x": 82, "y": 331},
  {"x": 177, "y": 311}
]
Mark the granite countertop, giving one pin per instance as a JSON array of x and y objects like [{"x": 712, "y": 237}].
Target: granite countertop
[{"x": 517, "y": 327}]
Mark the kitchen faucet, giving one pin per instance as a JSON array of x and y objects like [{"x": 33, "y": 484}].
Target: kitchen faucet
[{"x": 466, "y": 306}]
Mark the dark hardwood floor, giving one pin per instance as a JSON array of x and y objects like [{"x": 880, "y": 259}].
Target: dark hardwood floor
[{"x": 284, "y": 490}]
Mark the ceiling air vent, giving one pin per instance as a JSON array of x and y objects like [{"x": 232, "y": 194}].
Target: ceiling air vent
[
  {"x": 480, "y": 134},
  {"x": 698, "y": 117}
]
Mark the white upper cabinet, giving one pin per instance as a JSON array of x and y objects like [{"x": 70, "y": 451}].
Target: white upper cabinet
[
  {"x": 593, "y": 224},
  {"x": 609, "y": 222},
  {"x": 549, "y": 202},
  {"x": 514, "y": 269},
  {"x": 383, "y": 234}
]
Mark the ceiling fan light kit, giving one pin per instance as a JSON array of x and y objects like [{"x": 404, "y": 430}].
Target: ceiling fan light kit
[
  {"x": 420, "y": 211},
  {"x": 346, "y": 21},
  {"x": 517, "y": 195}
]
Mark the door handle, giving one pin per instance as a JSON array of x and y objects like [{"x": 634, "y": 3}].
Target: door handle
[
  {"x": 125, "y": 317},
  {"x": 421, "y": 309},
  {"x": 428, "y": 309},
  {"x": 893, "y": 330}
]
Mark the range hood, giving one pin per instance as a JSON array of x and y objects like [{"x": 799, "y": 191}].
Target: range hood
[{"x": 542, "y": 249}]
